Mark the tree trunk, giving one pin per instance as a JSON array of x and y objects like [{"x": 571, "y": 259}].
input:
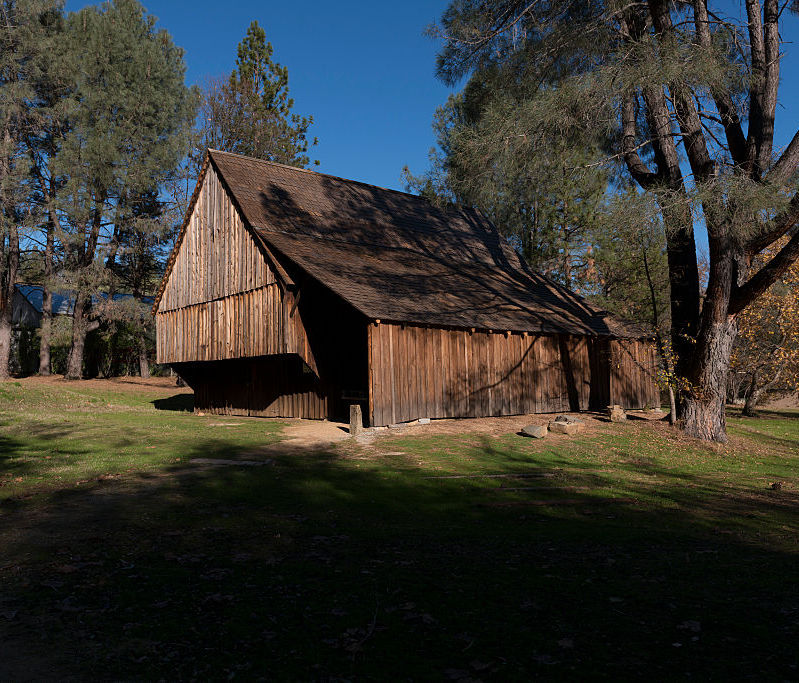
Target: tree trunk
[
  {"x": 684, "y": 283},
  {"x": 753, "y": 395},
  {"x": 7, "y": 302},
  {"x": 79, "y": 332},
  {"x": 5, "y": 346},
  {"x": 47, "y": 304},
  {"x": 704, "y": 404},
  {"x": 661, "y": 347},
  {"x": 144, "y": 362},
  {"x": 672, "y": 407},
  {"x": 756, "y": 392},
  {"x": 45, "y": 333}
]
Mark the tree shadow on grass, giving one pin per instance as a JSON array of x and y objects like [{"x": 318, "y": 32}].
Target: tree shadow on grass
[
  {"x": 775, "y": 413},
  {"x": 179, "y": 402},
  {"x": 16, "y": 454},
  {"x": 328, "y": 567},
  {"x": 768, "y": 439}
]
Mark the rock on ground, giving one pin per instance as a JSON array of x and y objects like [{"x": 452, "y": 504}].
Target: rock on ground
[
  {"x": 536, "y": 431},
  {"x": 569, "y": 419},
  {"x": 616, "y": 413},
  {"x": 560, "y": 427}
]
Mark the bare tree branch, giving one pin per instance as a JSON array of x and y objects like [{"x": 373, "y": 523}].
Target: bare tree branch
[
  {"x": 775, "y": 228},
  {"x": 765, "y": 277},
  {"x": 638, "y": 169},
  {"x": 787, "y": 163},
  {"x": 736, "y": 141}
]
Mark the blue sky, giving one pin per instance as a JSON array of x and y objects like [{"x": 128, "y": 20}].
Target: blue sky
[{"x": 364, "y": 71}]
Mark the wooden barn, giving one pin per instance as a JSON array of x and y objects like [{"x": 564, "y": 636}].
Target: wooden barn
[{"x": 292, "y": 293}]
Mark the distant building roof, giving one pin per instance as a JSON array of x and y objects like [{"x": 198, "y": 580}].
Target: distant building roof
[{"x": 64, "y": 301}]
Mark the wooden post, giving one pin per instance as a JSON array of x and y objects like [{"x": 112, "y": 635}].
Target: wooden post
[
  {"x": 356, "y": 419},
  {"x": 370, "y": 384}
]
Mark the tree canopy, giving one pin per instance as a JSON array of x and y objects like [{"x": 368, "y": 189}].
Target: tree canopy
[
  {"x": 251, "y": 113},
  {"x": 683, "y": 102}
]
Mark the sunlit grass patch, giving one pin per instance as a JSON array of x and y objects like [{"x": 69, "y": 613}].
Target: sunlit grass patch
[{"x": 65, "y": 434}]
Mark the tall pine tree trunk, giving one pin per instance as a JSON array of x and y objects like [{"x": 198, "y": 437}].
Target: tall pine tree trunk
[
  {"x": 661, "y": 347},
  {"x": 47, "y": 305},
  {"x": 45, "y": 331},
  {"x": 8, "y": 277},
  {"x": 5, "y": 346},
  {"x": 80, "y": 328},
  {"x": 9, "y": 247},
  {"x": 81, "y": 325}
]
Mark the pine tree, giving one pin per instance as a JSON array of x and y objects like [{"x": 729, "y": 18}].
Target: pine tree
[
  {"x": 250, "y": 113},
  {"x": 137, "y": 265},
  {"x": 546, "y": 201},
  {"x": 129, "y": 121},
  {"x": 50, "y": 101},
  {"x": 24, "y": 42}
]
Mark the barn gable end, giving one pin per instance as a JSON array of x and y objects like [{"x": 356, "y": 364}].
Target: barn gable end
[
  {"x": 217, "y": 256},
  {"x": 222, "y": 298}
]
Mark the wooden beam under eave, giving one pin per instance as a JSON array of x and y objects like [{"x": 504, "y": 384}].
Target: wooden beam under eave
[{"x": 283, "y": 276}]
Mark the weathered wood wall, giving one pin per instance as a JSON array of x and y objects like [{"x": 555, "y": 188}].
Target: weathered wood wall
[
  {"x": 256, "y": 323},
  {"x": 222, "y": 299},
  {"x": 252, "y": 354},
  {"x": 428, "y": 372},
  {"x": 633, "y": 366},
  {"x": 218, "y": 256},
  {"x": 272, "y": 386}
]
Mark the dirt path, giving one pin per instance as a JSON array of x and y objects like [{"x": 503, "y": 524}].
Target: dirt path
[{"x": 509, "y": 424}]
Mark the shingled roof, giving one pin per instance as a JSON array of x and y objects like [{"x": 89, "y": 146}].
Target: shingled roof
[{"x": 397, "y": 257}]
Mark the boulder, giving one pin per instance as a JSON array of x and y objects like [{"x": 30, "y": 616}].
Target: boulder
[
  {"x": 569, "y": 419},
  {"x": 616, "y": 414},
  {"x": 536, "y": 431},
  {"x": 566, "y": 427}
]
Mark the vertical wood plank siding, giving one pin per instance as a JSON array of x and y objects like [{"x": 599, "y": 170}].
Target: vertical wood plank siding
[
  {"x": 222, "y": 299},
  {"x": 428, "y": 372},
  {"x": 633, "y": 365},
  {"x": 217, "y": 257},
  {"x": 271, "y": 386},
  {"x": 255, "y": 323}
]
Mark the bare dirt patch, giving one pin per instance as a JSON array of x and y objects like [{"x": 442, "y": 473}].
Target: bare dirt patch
[
  {"x": 300, "y": 436},
  {"x": 500, "y": 425},
  {"x": 787, "y": 401},
  {"x": 127, "y": 384}
]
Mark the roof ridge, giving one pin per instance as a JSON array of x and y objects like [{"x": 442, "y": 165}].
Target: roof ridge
[{"x": 335, "y": 177}]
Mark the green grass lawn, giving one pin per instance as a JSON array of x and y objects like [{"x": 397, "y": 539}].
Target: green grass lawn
[
  {"x": 629, "y": 552},
  {"x": 55, "y": 435}
]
